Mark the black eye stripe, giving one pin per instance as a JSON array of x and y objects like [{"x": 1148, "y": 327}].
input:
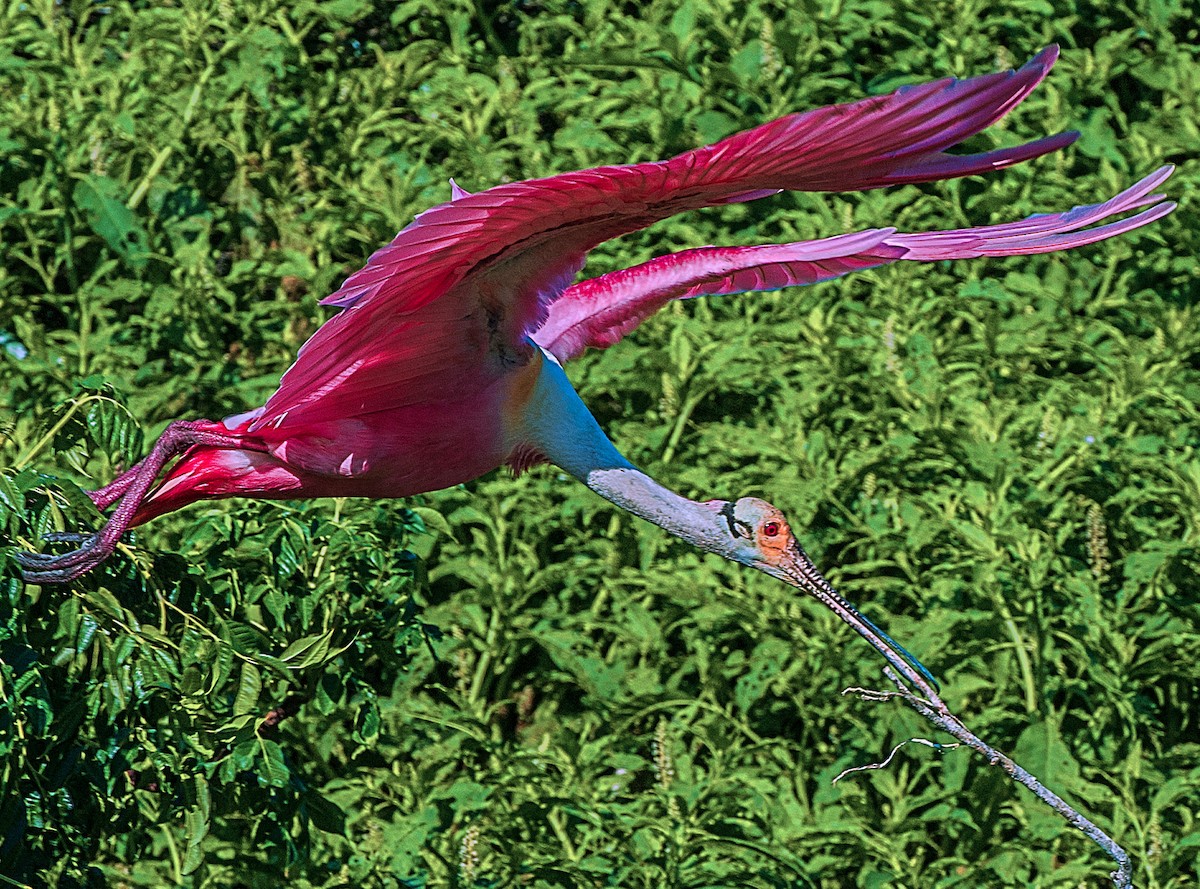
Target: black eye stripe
[{"x": 737, "y": 527}]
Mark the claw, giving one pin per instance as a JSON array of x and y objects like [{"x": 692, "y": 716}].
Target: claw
[{"x": 49, "y": 568}]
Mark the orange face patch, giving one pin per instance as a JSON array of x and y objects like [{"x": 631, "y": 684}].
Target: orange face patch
[{"x": 773, "y": 537}]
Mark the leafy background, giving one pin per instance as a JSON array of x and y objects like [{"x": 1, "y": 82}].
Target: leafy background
[{"x": 511, "y": 683}]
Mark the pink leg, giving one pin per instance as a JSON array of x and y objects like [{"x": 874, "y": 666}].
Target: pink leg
[
  {"x": 112, "y": 492},
  {"x": 131, "y": 488}
]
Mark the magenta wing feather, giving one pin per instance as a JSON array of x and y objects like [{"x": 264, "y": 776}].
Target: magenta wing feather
[
  {"x": 1046, "y": 232},
  {"x": 490, "y": 264},
  {"x": 883, "y": 140},
  {"x": 599, "y": 312}
]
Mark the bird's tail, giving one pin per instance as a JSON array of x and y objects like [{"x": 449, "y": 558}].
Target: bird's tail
[
  {"x": 211, "y": 473},
  {"x": 883, "y": 140}
]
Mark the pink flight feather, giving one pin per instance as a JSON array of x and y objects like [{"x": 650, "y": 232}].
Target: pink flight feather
[{"x": 599, "y": 312}]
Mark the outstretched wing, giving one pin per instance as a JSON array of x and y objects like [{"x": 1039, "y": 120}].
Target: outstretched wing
[
  {"x": 599, "y": 312},
  {"x": 456, "y": 293}
]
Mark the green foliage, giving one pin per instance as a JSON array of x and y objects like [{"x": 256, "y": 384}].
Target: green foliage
[{"x": 997, "y": 459}]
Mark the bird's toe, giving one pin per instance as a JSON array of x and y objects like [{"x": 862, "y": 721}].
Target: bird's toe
[
  {"x": 47, "y": 576},
  {"x": 33, "y": 560},
  {"x": 57, "y": 570},
  {"x": 62, "y": 567},
  {"x": 76, "y": 537}
]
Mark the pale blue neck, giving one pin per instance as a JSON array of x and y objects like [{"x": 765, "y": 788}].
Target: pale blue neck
[{"x": 559, "y": 424}]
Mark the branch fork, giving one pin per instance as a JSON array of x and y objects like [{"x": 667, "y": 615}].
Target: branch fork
[{"x": 930, "y": 705}]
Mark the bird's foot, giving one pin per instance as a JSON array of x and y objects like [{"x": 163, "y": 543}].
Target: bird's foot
[
  {"x": 114, "y": 490},
  {"x": 46, "y": 568}
]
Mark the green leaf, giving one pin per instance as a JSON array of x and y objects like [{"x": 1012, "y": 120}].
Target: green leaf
[
  {"x": 105, "y": 602},
  {"x": 114, "y": 430},
  {"x": 111, "y": 219},
  {"x": 197, "y": 820},
  {"x": 245, "y": 639},
  {"x": 249, "y": 689},
  {"x": 433, "y": 520},
  {"x": 272, "y": 767},
  {"x": 10, "y": 497},
  {"x": 1041, "y": 750},
  {"x": 306, "y": 651},
  {"x": 324, "y": 813}
]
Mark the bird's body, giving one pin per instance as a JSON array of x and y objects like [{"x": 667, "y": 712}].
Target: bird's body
[
  {"x": 445, "y": 440},
  {"x": 445, "y": 360}
]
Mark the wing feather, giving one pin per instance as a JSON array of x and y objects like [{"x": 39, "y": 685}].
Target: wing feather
[
  {"x": 597, "y": 313},
  {"x": 502, "y": 256}
]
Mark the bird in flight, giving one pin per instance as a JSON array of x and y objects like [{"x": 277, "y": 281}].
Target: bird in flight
[{"x": 446, "y": 358}]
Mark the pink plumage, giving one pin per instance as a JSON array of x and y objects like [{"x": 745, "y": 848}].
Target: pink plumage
[
  {"x": 511, "y": 250},
  {"x": 431, "y": 374},
  {"x": 599, "y": 312}
]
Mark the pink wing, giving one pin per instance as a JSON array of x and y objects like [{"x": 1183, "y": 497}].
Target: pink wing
[
  {"x": 599, "y": 312},
  {"x": 451, "y": 300}
]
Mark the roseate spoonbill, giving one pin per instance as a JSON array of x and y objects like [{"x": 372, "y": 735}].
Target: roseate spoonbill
[{"x": 446, "y": 359}]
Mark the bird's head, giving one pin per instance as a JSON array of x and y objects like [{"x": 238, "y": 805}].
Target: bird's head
[{"x": 761, "y": 538}]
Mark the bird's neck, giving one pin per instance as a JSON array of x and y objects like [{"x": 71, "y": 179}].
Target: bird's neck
[
  {"x": 560, "y": 426},
  {"x": 700, "y": 524}
]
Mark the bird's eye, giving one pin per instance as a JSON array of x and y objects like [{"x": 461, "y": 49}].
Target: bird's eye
[{"x": 771, "y": 529}]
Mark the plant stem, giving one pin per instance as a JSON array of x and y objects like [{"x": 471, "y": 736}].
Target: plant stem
[
  {"x": 1018, "y": 642},
  {"x": 685, "y": 413},
  {"x": 554, "y": 816},
  {"x": 484, "y": 664},
  {"x": 24, "y": 459},
  {"x": 164, "y": 153}
]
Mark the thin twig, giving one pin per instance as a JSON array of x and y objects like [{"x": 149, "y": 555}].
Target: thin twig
[
  {"x": 940, "y": 748},
  {"x": 935, "y": 710},
  {"x": 1122, "y": 877},
  {"x": 929, "y": 704}
]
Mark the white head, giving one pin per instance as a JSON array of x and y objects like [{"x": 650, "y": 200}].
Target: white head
[{"x": 759, "y": 536}]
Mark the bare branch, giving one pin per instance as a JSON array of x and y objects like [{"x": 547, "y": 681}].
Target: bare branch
[
  {"x": 906, "y": 673},
  {"x": 930, "y": 705}
]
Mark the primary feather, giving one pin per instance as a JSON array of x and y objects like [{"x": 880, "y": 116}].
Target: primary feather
[{"x": 598, "y": 312}]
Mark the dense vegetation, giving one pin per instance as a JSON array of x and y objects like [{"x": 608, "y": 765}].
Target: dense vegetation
[{"x": 512, "y": 683}]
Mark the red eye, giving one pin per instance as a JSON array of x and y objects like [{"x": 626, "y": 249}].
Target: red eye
[{"x": 771, "y": 529}]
